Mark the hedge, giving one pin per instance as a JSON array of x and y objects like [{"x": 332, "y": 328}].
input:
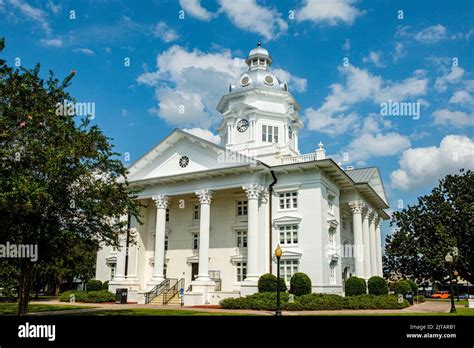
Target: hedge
[
  {"x": 105, "y": 285},
  {"x": 300, "y": 284},
  {"x": 414, "y": 286},
  {"x": 403, "y": 287},
  {"x": 93, "y": 285},
  {"x": 267, "y": 301},
  {"x": 355, "y": 286},
  {"x": 420, "y": 298},
  {"x": 377, "y": 286},
  {"x": 267, "y": 283},
  {"x": 90, "y": 297}
]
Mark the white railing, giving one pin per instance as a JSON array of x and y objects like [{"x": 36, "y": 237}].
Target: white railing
[{"x": 307, "y": 157}]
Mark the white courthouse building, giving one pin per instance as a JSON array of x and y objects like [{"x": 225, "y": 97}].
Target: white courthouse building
[{"x": 214, "y": 214}]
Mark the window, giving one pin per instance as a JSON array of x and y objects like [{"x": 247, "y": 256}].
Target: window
[
  {"x": 242, "y": 208},
  {"x": 196, "y": 212},
  {"x": 195, "y": 241},
  {"x": 332, "y": 273},
  {"x": 241, "y": 271},
  {"x": 165, "y": 269},
  {"x": 269, "y": 134},
  {"x": 112, "y": 270},
  {"x": 167, "y": 214},
  {"x": 332, "y": 238},
  {"x": 289, "y": 234},
  {"x": 241, "y": 239},
  {"x": 288, "y": 268},
  {"x": 288, "y": 200},
  {"x": 166, "y": 242}
]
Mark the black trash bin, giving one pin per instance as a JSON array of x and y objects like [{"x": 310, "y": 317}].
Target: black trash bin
[
  {"x": 121, "y": 296},
  {"x": 409, "y": 297}
]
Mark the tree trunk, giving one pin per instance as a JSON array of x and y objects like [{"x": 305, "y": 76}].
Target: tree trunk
[
  {"x": 57, "y": 286},
  {"x": 25, "y": 287}
]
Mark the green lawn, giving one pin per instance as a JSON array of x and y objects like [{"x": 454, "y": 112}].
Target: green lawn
[
  {"x": 460, "y": 312},
  {"x": 157, "y": 312},
  {"x": 12, "y": 308}
]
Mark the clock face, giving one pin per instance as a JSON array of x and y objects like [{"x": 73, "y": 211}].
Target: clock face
[
  {"x": 242, "y": 125},
  {"x": 183, "y": 161}
]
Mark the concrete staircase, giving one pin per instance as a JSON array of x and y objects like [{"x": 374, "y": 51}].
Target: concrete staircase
[{"x": 174, "y": 301}]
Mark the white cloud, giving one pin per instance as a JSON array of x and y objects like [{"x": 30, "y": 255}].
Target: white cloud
[
  {"x": 423, "y": 166},
  {"x": 427, "y": 36},
  {"x": 51, "y": 42},
  {"x": 204, "y": 134},
  {"x": 331, "y": 12},
  {"x": 457, "y": 119},
  {"x": 32, "y": 13},
  {"x": 374, "y": 58},
  {"x": 462, "y": 98},
  {"x": 53, "y": 8},
  {"x": 85, "y": 51},
  {"x": 164, "y": 32},
  {"x": 179, "y": 80},
  {"x": 347, "y": 45},
  {"x": 248, "y": 15},
  {"x": 453, "y": 76},
  {"x": 194, "y": 9},
  {"x": 360, "y": 86},
  {"x": 400, "y": 52},
  {"x": 375, "y": 145},
  {"x": 298, "y": 83}
]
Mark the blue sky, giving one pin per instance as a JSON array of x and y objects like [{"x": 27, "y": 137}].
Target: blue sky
[{"x": 343, "y": 59}]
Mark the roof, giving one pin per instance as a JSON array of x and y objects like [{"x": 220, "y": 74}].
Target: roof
[{"x": 370, "y": 176}]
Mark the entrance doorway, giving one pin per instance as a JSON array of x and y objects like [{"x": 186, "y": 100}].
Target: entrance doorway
[{"x": 194, "y": 270}]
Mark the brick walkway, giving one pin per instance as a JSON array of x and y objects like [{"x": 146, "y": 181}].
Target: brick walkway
[{"x": 427, "y": 307}]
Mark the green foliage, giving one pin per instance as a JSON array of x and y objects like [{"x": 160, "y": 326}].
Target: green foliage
[
  {"x": 267, "y": 301},
  {"x": 105, "y": 285},
  {"x": 377, "y": 286},
  {"x": 90, "y": 297},
  {"x": 429, "y": 230},
  {"x": 93, "y": 285},
  {"x": 413, "y": 286},
  {"x": 403, "y": 287},
  {"x": 355, "y": 286},
  {"x": 300, "y": 284},
  {"x": 420, "y": 298},
  {"x": 268, "y": 283}
]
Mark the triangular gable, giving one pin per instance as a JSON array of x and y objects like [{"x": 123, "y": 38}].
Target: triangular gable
[
  {"x": 370, "y": 176},
  {"x": 180, "y": 153}
]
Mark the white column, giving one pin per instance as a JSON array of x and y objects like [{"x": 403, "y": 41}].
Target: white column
[
  {"x": 366, "y": 237},
  {"x": 253, "y": 193},
  {"x": 358, "y": 249},
  {"x": 378, "y": 247},
  {"x": 373, "y": 245},
  {"x": 205, "y": 197},
  {"x": 121, "y": 254},
  {"x": 161, "y": 202}
]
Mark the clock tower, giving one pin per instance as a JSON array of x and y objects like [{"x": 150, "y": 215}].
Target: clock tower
[{"x": 259, "y": 115}]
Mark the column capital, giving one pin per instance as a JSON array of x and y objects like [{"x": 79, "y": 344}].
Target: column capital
[
  {"x": 367, "y": 213},
  {"x": 264, "y": 195},
  {"x": 205, "y": 196},
  {"x": 374, "y": 218},
  {"x": 161, "y": 201},
  {"x": 356, "y": 206},
  {"x": 253, "y": 190}
]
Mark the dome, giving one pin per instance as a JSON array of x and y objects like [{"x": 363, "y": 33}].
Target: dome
[{"x": 259, "y": 73}]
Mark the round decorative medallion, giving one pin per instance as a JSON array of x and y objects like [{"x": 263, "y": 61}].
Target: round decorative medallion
[
  {"x": 183, "y": 161},
  {"x": 269, "y": 80},
  {"x": 245, "y": 80},
  {"x": 242, "y": 125}
]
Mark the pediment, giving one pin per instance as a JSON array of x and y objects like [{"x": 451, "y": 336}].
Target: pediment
[{"x": 182, "y": 153}]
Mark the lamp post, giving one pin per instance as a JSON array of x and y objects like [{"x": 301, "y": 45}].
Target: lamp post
[
  {"x": 449, "y": 259},
  {"x": 278, "y": 253},
  {"x": 456, "y": 274}
]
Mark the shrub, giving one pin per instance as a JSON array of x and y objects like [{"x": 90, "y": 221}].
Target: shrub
[
  {"x": 403, "y": 287},
  {"x": 262, "y": 301},
  {"x": 377, "y": 286},
  {"x": 300, "y": 284},
  {"x": 414, "y": 286},
  {"x": 267, "y": 283},
  {"x": 355, "y": 286},
  {"x": 374, "y": 302},
  {"x": 321, "y": 302},
  {"x": 105, "y": 285},
  {"x": 420, "y": 298},
  {"x": 91, "y": 296},
  {"x": 93, "y": 285}
]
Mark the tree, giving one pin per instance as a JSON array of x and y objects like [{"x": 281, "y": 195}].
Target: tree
[
  {"x": 438, "y": 224},
  {"x": 60, "y": 179}
]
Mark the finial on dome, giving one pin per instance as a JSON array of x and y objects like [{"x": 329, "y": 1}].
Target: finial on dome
[
  {"x": 321, "y": 146},
  {"x": 259, "y": 44}
]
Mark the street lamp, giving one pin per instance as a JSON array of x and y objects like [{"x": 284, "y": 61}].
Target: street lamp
[
  {"x": 278, "y": 253},
  {"x": 456, "y": 274},
  {"x": 449, "y": 259}
]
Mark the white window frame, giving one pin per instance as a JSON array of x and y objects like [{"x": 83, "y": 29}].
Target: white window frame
[
  {"x": 241, "y": 271},
  {"x": 270, "y": 134},
  {"x": 288, "y": 268},
  {"x": 241, "y": 208},
  {"x": 113, "y": 269},
  {"x": 241, "y": 238},
  {"x": 288, "y": 200},
  {"x": 196, "y": 210},
  {"x": 290, "y": 234},
  {"x": 332, "y": 273},
  {"x": 166, "y": 242},
  {"x": 195, "y": 239}
]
